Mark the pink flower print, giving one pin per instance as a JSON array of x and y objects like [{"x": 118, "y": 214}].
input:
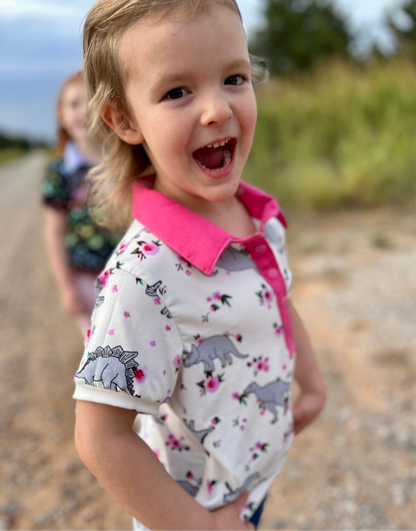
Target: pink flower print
[
  {"x": 268, "y": 297},
  {"x": 157, "y": 301},
  {"x": 212, "y": 384},
  {"x": 174, "y": 443},
  {"x": 126, "y": 315},
  {"x": 168, "y": 328},
  {"x": 140, "y": 374},
  {"x": 157, "y": 452},
  {"x": 103, "y": 278},
  {"x": 153, "y": 343},
  {"x": 242, "y": 427},
  {"x": 278, "y": 329},
  {"x": 188, "y": 273},
  {"x": 210, "y": 484},
  {"x": 150, "y": 248},
  {"x": 177, "y": 362},
  {"x": 284, "y": 367},
  {"x": 236, "y": 396},
  {"x": 263, "y": 365},
  {"x": 214, "y": 307},
  {"x": 122, "y": 247},
  {"x": 114, "y": 288},
  {"x": 164, "y": 373},
  {"x": 88, "y": 336},
  {"x": 215, "y": 421},
  {"x": 189, "y": 475},
  {"x": 111, "y": 332},
  {"x": 265, "y": 296},
  {"x": 259, "y": 365}
]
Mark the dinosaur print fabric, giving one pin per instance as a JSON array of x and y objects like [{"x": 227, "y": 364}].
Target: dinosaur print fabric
[{"x": 181, "y": 335}]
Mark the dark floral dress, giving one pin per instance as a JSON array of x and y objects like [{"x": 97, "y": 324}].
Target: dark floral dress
[{"x": 89, "y": 246}]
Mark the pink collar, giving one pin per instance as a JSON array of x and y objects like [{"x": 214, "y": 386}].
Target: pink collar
[{"x": 196, "y": 239}]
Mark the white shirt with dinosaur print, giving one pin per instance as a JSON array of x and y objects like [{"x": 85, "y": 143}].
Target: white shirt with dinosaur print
[{"x": 191, "y": 329}]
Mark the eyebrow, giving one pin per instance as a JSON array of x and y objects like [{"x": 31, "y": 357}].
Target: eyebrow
[{"x": 178, "y": 77}]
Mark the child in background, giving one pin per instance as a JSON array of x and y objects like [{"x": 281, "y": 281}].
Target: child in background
[
  {"x": 194, "y": 336},
  {"x": 77, "y": 248}
]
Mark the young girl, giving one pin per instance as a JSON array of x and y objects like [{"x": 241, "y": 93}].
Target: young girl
[
  {"x": 193, "y": 327},
  {"x": 77, "y": 248}
]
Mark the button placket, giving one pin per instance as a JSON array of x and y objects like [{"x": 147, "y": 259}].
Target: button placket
[{"x": 268, "y": 266}]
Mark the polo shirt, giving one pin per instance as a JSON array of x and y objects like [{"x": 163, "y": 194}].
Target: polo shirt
[{"x": 192, "y": 330}]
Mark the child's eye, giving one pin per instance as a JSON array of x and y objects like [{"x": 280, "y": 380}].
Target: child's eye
[
  {"x": 235, "y": 80},
  {"x": 176, "y": 94}
]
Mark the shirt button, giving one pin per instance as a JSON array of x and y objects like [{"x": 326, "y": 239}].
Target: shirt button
[
  {"x": 261, "y": 248},
  {"x": 273, "y": 273}
]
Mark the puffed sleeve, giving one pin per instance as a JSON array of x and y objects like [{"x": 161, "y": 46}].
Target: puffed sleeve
[
  {"x": 55, "y": 191},
  {"x": 132, "y": 352}
]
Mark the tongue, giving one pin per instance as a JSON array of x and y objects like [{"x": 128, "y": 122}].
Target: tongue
[{"x": 211, "y": 158}]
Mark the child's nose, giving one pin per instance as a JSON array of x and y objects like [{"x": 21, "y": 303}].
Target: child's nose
[{"x": 217, "y": 110}]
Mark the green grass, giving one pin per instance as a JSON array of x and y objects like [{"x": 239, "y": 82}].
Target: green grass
[
  {"x": 340, "y": 137},
  {"x": 8, "y": 155}
]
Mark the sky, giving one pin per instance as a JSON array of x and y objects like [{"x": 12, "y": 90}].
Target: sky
[{"x": 40, "y": 45}]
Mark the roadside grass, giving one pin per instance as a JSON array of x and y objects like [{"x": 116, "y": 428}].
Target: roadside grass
[
  {"x": 9, "y": 155},
  {"x": 343, "y": 136}
]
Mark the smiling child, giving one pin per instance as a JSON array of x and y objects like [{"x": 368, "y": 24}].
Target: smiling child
[{"x": 194, "y": 339}]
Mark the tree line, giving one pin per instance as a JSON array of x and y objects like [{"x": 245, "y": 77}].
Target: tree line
[
  {"x": 19, "y": 142},
  {"x": 297, "y": 34}
]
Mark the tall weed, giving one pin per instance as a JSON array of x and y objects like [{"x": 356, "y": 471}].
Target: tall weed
[{"x": 342, "y": 136}]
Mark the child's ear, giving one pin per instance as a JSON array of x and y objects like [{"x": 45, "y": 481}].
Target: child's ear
[{"x": 121, "y": 124}]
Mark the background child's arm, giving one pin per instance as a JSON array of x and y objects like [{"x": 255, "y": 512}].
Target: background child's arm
[
  {"x": 55, "y": 233},
  {"x": 128, "y": 469},
  {"x": 307, "y": 374}
]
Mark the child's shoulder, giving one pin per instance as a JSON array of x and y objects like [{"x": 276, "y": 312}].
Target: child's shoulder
[{"x": 142, "y": 254}]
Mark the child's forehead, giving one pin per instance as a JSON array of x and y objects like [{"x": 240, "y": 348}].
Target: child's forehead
[{"x": 158, "y": 39}]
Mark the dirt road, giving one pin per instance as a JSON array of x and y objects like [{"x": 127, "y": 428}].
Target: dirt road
[{"x": 355, "y": 286}]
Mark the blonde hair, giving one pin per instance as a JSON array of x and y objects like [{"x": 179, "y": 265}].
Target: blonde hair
[
  {"x": 62, "y": 134},
  {"x": 105, "y": 75}
]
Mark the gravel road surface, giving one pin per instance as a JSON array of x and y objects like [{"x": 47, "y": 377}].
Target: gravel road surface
[{"x": 355, "y": 286}]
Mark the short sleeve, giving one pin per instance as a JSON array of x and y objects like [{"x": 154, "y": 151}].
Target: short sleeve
[
  {"x": 134, "y": 348},
  {"x": 55, "y": 191}
]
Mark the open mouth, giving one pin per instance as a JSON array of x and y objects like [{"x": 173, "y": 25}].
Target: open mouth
[{"x": 215, "y": 157}]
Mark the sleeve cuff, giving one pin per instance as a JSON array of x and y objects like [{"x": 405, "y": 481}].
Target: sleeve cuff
[{"x": 112, "y": 398}]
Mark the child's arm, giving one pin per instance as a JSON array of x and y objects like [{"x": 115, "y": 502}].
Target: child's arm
[
  {"x": 307, "y": 374},
  {"x": 55, "y": 232},
  {"x": 128, "y": 469}
]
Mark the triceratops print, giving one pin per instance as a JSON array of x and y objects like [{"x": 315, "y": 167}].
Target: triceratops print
[
  {"x": 271, "y": 395},
  {"x": 152, "y": 291},
  {"x": 232, "y": 495},
  {"x": 114, "y": 368},
  {"x": 200, "y": 434},
  {"x": 209, "y": 349}
]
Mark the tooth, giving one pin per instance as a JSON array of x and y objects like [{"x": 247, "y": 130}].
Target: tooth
[
  {"x": 210, "y": 146},
  {"x": 223, "y": 144},
  {"x": 216, "y": 145}
]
